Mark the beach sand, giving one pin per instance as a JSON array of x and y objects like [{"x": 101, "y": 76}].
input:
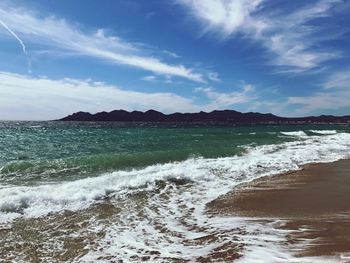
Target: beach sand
[
  {"x": 314, "y": 205},
  {"x": 314, "y": 202}
]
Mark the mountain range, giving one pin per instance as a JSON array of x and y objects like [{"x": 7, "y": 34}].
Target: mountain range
[{"x": 216, "y": 116}]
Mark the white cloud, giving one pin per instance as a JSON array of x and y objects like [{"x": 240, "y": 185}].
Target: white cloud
[
  {"x": 171, "y": 54},
  {"x": 24, "y": 48},
  {"x": 320, "y": 102},
  {"x": 222, "y": 100},
  {"x": 150, "y": 78},
  {"x": 214, "y": 76},
  {"x": 24, "y": 97},
  {"x": 222, "y": 15},
  {"x": 58, "y": 33},
  {"x": 334, "y": 95},
  {"x": 338, "y": 80},
  {"x": 15, "y": 36},
  {"x": 289, "y": 37},
  {"x": 27, "y": 98}
]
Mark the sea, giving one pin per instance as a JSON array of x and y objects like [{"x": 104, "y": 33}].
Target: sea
[{"x": 131, "y": 192}]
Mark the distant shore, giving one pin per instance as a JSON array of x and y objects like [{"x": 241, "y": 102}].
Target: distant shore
[
  {"x": 215, "y": 116},
  {"x": 315, "y": 202}
]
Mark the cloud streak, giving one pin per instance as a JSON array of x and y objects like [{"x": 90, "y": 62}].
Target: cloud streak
[
  {"x": 334, "y": 95},
  {"x": 222, "y": 16},
  {"x": 223, "y": 100},
  {"x": 24, "y": 49},
  {"x": 60, "y": 34},
  {"x": 289, "y": 37},
  {"x": 150, "y": 78},
  {"x": 26, "y": 98},
  {"x": 214, "y": 76},
  {"x": 15, "y": 36}
]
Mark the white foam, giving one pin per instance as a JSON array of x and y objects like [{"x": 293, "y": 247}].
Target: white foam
[
  {"x": 182, "y": 211},
  {"x": 324, "y": 132},
  {"x": 41, "y": 200},
  {"x": 295, "y": 133},
  {"x": 173, "y": 219}
]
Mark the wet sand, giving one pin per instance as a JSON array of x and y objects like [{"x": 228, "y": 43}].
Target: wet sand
[
  {"x": 62, "y": 237},
  {"x": 315, "y": 202}
]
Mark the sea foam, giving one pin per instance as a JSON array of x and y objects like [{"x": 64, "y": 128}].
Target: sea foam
[
  {"x": 174, "y": 218},
  {"x": 324, "y": 132},
  {"x": 295, "y": 133},
  {"x": 258, "y": 161}
]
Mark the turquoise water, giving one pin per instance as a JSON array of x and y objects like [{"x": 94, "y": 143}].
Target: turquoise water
[
  {"x": 36, "y": 152},
  {"x": 123, "y": 191},
  {"x": 41, "y": 152}
]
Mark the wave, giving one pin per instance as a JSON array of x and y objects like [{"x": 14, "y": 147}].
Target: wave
[
  {"x": 181, "y": 212},
  {"x": 295, "y": 133},
  {"x": 29, "y": 171},
  {"x": 324, "y": 132},
  {"x": 178, "y": 210},
  {"x": 258, "y": 161}
]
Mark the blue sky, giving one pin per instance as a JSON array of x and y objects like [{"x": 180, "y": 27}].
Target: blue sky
[{"x": 290, "y": 58}]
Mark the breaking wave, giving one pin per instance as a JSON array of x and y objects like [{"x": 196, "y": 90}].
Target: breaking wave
[
  {"x": 173, "y": 218},
  {"x": 324, "y": 132},
  {"x": 295, "y": 133}
]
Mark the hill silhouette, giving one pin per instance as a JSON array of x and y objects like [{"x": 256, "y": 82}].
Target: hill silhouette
[{"x": 216, "y": 116}]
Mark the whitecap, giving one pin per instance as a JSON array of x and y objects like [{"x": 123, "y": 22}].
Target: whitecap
[
  {"x": 174, "y": 217},
  {"x": 324, "y": 132},
  {"x": 295, "y": 133}
]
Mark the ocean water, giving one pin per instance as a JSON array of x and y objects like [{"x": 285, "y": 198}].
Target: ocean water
[{"x": 136, "y": 192}]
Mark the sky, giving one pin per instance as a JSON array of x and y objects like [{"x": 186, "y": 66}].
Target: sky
[{"x": 290, "y": 58}]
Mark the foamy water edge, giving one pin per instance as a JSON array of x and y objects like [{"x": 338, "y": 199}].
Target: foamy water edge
[{"x": 209, "y": 179}]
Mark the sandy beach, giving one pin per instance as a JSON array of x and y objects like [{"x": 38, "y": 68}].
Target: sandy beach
[
  {"x": 314, "y": 202},
  {"x": 131, "y": 194}
]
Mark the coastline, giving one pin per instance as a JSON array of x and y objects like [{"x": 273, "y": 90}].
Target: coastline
[
  {"x": 51, "y": 212},
  {"x": 314, "y": 204}
]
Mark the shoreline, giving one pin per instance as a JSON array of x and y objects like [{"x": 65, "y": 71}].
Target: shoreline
[
  {"x": 320, "y": 233},
  {"x": 314, "y": 203}
]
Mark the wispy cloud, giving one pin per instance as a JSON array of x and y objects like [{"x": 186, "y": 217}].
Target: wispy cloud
[
  {"x": 320, "y": 102},
  {"x": 25, "y": 97},
  {"x": 222, "y": 16},
  {"x": 223, "y": 100},
  {"x": 334, "y": 95},
  {"x": 214, "y": 76},
  {"x": 24, "y": 49},
  {"x": 171, "y": 54},
  {"x": 59, "y": 33},
  {"x": 338, "y": 80},
  {"x": 288, "y": 36},
  {"x": 15, "y": 36},
  {"x": 150, "y": 78}
]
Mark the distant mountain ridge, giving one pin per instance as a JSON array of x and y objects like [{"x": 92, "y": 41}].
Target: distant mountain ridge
[{"x": 216, "y": 116}]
